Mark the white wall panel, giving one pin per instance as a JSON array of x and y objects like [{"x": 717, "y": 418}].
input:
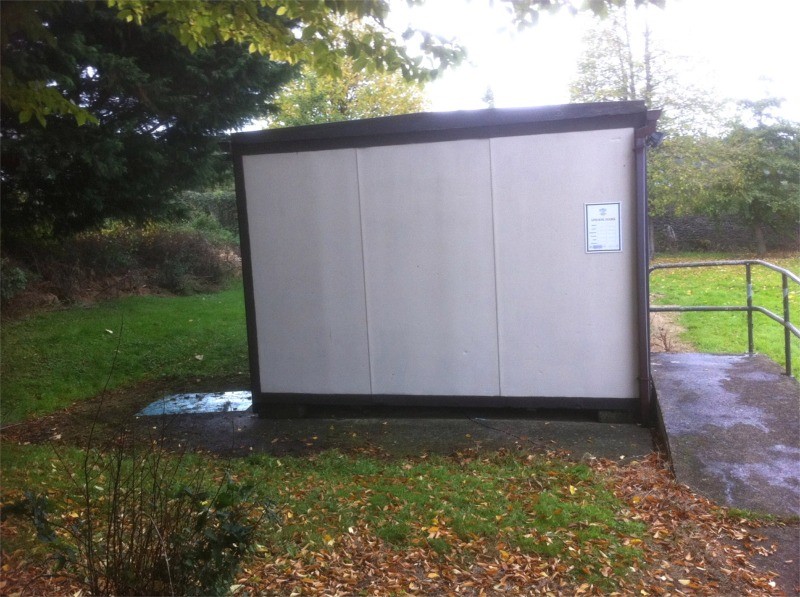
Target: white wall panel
[
  {"x": 429, "y": 264},
  {"x": 567, "y": 320},
  {"x": 450, "y": 268},
  {"x": 305, "y": 237}
]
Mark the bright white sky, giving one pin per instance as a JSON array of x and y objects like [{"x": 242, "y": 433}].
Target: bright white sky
[{"x": 739, "y": 49}]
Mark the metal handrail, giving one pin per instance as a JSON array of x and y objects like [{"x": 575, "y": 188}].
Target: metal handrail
[{"x": 786, "y": 275}]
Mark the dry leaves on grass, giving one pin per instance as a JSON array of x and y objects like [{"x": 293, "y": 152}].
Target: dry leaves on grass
[
  {"x": 693, "y": 547},
  {"x": 360, "y": 563},
  {"x": 690, "y": 547},
  {"x": 21, "y": 574}
]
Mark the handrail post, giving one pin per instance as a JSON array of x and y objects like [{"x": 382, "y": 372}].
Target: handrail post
[
  {"x": 748, "y": 275},
  {"x": 787, "y": 339},
  {"x": 786, "y": 277}
]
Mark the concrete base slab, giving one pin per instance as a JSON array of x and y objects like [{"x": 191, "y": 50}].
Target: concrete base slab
[
  {"x": 732, "y": 424},
  {"x": 400, "y": 433}
]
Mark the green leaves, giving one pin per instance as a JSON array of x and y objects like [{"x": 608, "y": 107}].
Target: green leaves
[
  {"x": 33, "y": 99},
  {"x": 752, "y": 173},
  {"x": 319, "y": 34},
  {"x": 294, "y": 31},
  {"x": 132, "y": 116},
  {"x": 526, "y": 12},
  {"x": 352, "y": 94},
  {"x": 623, "y": 60}
]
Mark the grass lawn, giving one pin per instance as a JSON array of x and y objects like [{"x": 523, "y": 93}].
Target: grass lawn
[
  {"x": 727, "y": 332},
  {"x": 361, "y": 523},
  {"x": 52, "y": 359},
  {"x": 499, "y": 522},
  {"x": 537, "y": 506}
]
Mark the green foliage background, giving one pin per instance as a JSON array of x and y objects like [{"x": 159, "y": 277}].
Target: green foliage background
[{"x": 160, "y": 113}]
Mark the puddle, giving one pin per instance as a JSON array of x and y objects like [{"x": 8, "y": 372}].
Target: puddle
[{"x": 214, "y": 402}]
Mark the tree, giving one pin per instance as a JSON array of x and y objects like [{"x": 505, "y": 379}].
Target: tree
[
  {"x": 159, "y": 112},
  {"x": 764, "y": 188},
  {"x": 622, "y": 62},
  {"x": 318, "y": 34},
  {"x": 685, "y": 174},
  {"x": 314, "y": 98},
  {"x": 694, "y": 171},
  {"x": 752, "y": 173},
  {"x": 608, "y": 70},
  {"x": 154, "y": 82}
]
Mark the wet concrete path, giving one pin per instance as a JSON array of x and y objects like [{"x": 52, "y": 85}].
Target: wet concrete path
[{"x": 732, "y": 424}]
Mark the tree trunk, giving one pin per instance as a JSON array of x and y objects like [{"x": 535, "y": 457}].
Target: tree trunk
[
  {"x": 649, "y": 85},
  {"x": 630, "y": 66},
  {"x": 761, "y": 241}
]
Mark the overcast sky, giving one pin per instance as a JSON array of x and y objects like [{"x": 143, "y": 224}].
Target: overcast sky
[{"x": 739, "y": 49}]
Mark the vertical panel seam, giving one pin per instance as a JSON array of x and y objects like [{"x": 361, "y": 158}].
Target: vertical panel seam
[
  {"x": 494, "y": 260},
  {"x": 364, "y": 268}
]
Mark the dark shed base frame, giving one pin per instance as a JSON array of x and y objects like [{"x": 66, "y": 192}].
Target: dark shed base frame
[{"x": 282, "y": 405}]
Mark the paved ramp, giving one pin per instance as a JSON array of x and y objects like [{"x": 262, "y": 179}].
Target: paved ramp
[{"x": 732, "y": 424}]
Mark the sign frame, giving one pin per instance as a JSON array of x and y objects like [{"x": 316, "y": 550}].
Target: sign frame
[{"x": 605, "y": 236}]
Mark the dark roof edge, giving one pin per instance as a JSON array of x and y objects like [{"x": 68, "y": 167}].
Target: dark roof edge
[{"x": 443, "y": 126}]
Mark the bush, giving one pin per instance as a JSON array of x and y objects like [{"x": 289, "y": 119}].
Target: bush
[
  {"x": 13, "y": 280},
  {"x": 211, "y": 210},
  {"x": 210, "y": 227},
  {"x": 176, "y": 258},
  {"x": 144, "y": 522},
  {"x": 184, "y": 261},
  {"x": 107, "y": 253}
]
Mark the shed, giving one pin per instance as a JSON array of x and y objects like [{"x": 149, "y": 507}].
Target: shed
[{"x": 478, "y": 258}]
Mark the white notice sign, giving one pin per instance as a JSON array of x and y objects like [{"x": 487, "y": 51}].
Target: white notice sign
[{"x": 602, "y": 228}]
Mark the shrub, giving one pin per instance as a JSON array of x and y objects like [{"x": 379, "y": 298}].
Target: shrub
[
  {"x": 132, "y": 517},
  {"x": 184, "y": 261},
  {"x": 13, "y": 280},
  {"x": 144, "y": 522},
  {"x": 177, "y": 258},
  {"x": 218, "y": 205},
  {"x": 211, "y": 228},
  {"x": 109, "y": 252}
]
